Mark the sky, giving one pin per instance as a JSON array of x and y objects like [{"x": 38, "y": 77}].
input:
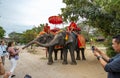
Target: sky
[{"x": 19, "y": 15}]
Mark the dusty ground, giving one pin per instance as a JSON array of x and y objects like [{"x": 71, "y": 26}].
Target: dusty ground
[{"x": 36, "y": 66}]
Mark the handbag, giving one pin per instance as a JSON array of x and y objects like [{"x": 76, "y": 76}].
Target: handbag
[{"x": 16, "y": 57}]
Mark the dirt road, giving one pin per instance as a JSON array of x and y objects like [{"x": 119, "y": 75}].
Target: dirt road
[{"x": 36, "y": 66}]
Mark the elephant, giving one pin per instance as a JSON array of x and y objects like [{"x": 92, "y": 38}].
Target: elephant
[
  {"x": 46, "y": 38},
  {"x": 78, "y": 50},
  {"x": 68, "y": 44},
  {"x": 56, "y": 52}
]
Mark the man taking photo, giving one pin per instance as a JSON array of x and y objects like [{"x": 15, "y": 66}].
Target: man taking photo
[{"x": 110, "y": 65}]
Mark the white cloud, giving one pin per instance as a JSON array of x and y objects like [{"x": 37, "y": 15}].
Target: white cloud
[
  {"x": 33, "y": 11},
  {"x": 28, "y": 12}
]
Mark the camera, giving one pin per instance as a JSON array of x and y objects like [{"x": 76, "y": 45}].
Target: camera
[{"x": 4, "y": 51}]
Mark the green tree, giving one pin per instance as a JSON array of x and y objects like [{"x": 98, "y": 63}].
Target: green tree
[
  {"x": 102, "y": 17},
  {"x": 2, "y": 32},
  {"x": 101, "y": 14},
  {"x": 38, "y": 28},
  {"x": 15, "y": 36},
  {"x": 29, "y": 35}
]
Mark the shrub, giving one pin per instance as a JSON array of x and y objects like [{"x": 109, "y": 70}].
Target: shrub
[{"x": 108, "y": 43}]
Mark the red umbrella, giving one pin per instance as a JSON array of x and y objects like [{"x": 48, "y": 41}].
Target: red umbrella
[{"x": 55, "y": 20}]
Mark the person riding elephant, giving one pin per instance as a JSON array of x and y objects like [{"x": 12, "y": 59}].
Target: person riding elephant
[
  {"x": 72, "y": 27},
  {"x": 46, "y": 29},
  {"x": 81, "y": 43}
]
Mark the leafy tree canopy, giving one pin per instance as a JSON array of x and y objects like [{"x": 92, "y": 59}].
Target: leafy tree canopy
[
  {"x": 17, "y": 37},
  {"x": 2, "y": 32},
  {"x": 101, "y": 14},
  {"x": 104, "y": 15}
]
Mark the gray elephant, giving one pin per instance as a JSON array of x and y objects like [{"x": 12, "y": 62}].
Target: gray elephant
[
  {"x": 46, "y": 38},
  {"x": 68, "y": 44},
  {"x": 78, "y": 50}
]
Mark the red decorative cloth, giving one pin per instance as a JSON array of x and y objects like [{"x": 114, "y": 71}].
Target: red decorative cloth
[
  {"x": 55, "y": 30},
  {"x": 42, "y": 32},
  {"x": 81, "y": 41},
  {"x": 58, "y": 47}
]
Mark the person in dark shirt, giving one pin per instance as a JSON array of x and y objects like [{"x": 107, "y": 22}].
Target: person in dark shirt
[{"x": 110, "y": 65}]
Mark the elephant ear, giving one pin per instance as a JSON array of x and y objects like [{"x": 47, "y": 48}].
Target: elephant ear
[{"x": 69, "y": 39}]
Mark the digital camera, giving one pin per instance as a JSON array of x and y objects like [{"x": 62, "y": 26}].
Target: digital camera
[{"x": 4, "y": 51}]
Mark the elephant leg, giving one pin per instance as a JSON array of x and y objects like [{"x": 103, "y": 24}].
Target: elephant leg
[
  {"x": 46, "y": 52},
  {"x": 72, "y": 56},
  {"x": 65, "y": 57},
  {"x": 83, "y": 55},
  {"x": 55, "y": 52},
  {"x": 78, "y": 54},
  {"x": 61, "y": 56},
  {"x": 50, "y": 59}
]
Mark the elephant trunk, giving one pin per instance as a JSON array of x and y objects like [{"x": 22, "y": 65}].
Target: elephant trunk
[
  {"x": 52, "y": 43},
  {"x": 30, "y": 43},
  {"x": 42, "y": 45}
]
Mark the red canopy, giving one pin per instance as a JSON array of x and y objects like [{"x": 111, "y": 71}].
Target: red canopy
[{"x": 55, "y": 20}]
